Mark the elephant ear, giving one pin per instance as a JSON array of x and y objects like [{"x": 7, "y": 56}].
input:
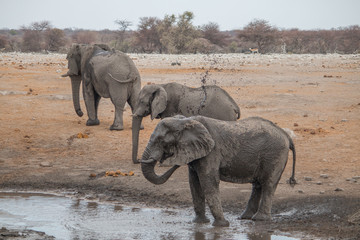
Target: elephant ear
[
  {"x": 73, "y": 58},
  {"x": 193, "y": 141},
  {"x": 159, "y": 102}
]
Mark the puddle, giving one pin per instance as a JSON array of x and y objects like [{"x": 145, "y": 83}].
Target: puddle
[{"x": 67, "y": 218}]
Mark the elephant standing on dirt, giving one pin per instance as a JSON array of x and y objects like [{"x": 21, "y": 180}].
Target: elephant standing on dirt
[
  {"x": 252, "y": 150},
  {"x": 167, "y": 100},
  {"x": 104, "y": 73}
]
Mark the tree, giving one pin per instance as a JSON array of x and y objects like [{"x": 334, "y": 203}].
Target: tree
[
  {"x": 165, "y": 30},
  {"x": 147, "y": 36},
  {"x": 33, "y": 36},
  {"x": 185, "y": 33},
  {"x": 212, "y": 33},
  {"x": 55, "y": 39},
  {"x": 261, "y": 33},
  {"x": 122, "y": 34},
  {"x": 85, "y": 37}
]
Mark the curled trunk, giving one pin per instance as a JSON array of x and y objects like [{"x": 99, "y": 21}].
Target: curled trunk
[
  {"x": 148, "y": 169},
  {"x": 75, "y": 86},
  {"x": 136, "y": 125}
]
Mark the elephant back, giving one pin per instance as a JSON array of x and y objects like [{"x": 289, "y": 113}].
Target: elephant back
[{"x": 113, "y": 65}]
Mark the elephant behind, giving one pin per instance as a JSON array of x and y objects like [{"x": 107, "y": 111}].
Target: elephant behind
[
  {"x": 104, "y": 73},
  {"x": 252, "y": 150},
  {"x": 167, "y": 100}
]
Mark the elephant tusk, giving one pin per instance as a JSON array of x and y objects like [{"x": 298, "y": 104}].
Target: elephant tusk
[{"x": 148, "y": 161}]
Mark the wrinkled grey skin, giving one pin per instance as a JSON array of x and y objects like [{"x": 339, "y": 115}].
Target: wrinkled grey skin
[
  {"x": 167, "y": 100},
  {"x": 104, "y": 73},
  {"x": 252, "y": 150}
]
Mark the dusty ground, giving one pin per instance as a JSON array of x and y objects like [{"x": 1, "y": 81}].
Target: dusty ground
[{"x": 315, "y": 96}]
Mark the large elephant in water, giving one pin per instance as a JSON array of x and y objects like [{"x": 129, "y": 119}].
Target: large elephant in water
[
  {"x": 104, "y": 73},
  {"x": 167, "y": 100},
  {"x": 252, "y": 150}
]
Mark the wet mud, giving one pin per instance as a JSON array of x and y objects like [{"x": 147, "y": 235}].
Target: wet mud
[{"x": 62, "y": 217}]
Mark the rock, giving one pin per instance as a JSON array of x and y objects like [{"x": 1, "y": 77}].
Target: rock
[
  {"x": 92, "y": 175},
  {"x": 300, "y": 191},
  {"x": 45, "y": 164},
  {"x": 296, "y": 124},
  {"x": 322, "y": 192},
  {"x": 308, "y": 179},
  {"x": 318, "y": 183},
  {"x": 339, "y": 190},
  {"x": 344, "y": 120},
  {"x": 356, "y": 177},
  {"x": 324, "y": 176}
]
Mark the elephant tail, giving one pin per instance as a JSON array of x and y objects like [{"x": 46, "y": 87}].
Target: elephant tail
[{"x": 292, "y": 180}]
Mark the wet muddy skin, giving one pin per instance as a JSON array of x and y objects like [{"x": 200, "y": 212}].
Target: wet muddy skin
[{"x": 68, "y": 218}]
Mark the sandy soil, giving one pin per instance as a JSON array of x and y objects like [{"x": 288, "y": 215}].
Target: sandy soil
[{"x": 44, "y": 146}]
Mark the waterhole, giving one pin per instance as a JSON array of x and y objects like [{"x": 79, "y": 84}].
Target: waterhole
[{"x": 68, "y": 218}]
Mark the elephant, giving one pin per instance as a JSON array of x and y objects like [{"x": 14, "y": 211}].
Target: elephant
[
  {"x": 104, "y": 73},
  {"x": 167, "y": 100},
  {"x": 251, "y": 150}
]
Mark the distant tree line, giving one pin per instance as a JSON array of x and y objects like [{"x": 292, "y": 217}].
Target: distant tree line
[{"x": 177, "y": 34}]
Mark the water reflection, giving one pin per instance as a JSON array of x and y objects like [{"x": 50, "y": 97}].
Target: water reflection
[{"x": 67, "y": 218}]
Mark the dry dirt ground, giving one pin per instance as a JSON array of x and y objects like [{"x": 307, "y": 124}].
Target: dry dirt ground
[{"x": 44, "y": 146}]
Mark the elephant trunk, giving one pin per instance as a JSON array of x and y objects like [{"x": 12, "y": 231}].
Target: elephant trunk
[
  {"x": 136, "y": 125},
  {"x": 148, "y": 169},
  {"x": 75, "y": 85}
]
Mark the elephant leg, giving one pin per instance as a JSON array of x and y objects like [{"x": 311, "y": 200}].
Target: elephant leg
[
  {"x": 198, "y": 197},
  {"x": 253, "y": 203},
  {"x": 264, "y": 211},
  {"x": 210, "y": 185},
  {"x": 269, "y": 182},
  {"x": 91, "y": 102},
  {"x": 118, "y": 97}
]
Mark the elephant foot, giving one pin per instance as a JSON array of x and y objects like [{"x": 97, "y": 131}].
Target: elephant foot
[
  {"x": 116, "y": 127},
  {"x": 247, "y": 215},
  {"x": 91, "y": 122},
  {"x": 201, "y": 219},
  {"x": 261, "y": 217},
  {"x": 221, "y": 223}
]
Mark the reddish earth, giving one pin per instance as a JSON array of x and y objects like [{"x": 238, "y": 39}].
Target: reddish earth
[{"x": 315, "y": 96}]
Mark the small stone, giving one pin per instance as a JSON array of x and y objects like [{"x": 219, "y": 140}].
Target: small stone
[
  {"x": 308, "y": 179},
  {"x": 305, "y": 115},
  {"x": 344, "y": 120},
  {"x": 300, "y": 191},
  {"x": 45, "y": 164},
  {"x": 356, "y": 177},
  {"x": 296, "y": 124},
  {"x": 322, "y": 192},
  {"x": 324, "y": 176},
  {"x": 318, "y": 183},
  {"x": 339, "y": 190},
  {"x": 92, "y": 175}
]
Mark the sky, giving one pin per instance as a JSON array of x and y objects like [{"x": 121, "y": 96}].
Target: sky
[{"x": 229, "y": 14}]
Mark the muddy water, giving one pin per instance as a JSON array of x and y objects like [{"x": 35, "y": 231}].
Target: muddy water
[{"x": 67, "y": 218}]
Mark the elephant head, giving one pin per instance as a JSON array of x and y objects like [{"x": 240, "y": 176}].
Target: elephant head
[
  {"x": 74, "y": 72},
  {"x": 175, "y": 141},
  {"x": 152, "y": 100}
]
